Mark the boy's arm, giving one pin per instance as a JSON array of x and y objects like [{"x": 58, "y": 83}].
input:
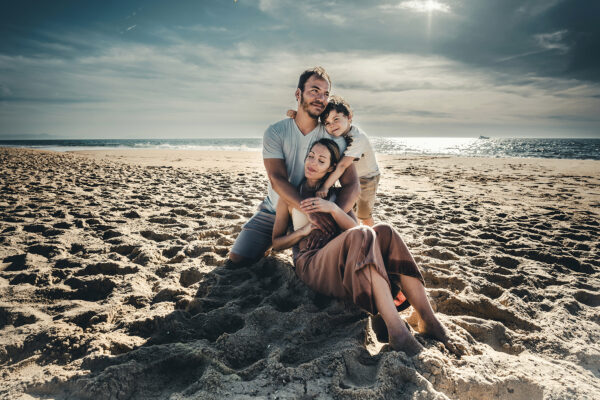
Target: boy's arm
[
  {"x": 350, "y": 189},
  {"x": 339, "y": 170}
]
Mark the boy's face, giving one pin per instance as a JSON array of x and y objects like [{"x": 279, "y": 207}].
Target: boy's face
[{"x": 337, "y": 123}]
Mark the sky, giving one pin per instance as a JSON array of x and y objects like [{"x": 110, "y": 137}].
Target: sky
[{"x": 225, "y": 68}]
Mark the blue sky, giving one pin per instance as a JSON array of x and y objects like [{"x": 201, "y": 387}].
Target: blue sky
[{"x": 185, "y": 69}]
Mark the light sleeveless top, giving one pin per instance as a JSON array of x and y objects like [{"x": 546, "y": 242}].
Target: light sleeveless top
[{"x": 299, "y": 219}]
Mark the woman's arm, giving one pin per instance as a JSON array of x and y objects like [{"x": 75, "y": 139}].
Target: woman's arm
[
  {"x": 345, "y": 162},
  {"x": 282, "y": 240},
  {"x": 315, "y": 204}
]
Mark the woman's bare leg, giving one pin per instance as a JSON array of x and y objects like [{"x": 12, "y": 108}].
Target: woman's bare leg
[
  {"x": 429, "y": 325},
  {"x": 400, "y": 337}
]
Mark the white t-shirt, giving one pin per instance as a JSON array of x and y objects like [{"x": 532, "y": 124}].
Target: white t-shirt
[
  {"x": 361, "y": 149},
  {"x": 284, "y": 140}
]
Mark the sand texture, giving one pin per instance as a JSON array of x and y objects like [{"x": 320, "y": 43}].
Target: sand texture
[{"x": 113, "y": 283}]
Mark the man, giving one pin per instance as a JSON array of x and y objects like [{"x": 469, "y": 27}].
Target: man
[{"x": 285, "y": 145}]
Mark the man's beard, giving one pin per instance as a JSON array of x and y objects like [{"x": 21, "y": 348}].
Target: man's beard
[{"x": 306, "y": 107}]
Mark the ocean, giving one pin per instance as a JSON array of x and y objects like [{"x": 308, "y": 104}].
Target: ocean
[{"x": 435, "y": 146}]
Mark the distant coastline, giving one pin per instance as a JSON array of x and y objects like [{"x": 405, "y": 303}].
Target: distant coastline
[{"x": 581, "y": 149}]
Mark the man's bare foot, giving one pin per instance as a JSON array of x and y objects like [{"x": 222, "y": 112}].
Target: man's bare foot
[
  {"x": 435, "y": 330},
  {"x": 404, "y": 341},
  {"x": 380, "y": 328}
]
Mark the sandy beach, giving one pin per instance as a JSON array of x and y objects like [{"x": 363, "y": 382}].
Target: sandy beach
[{"x": 113, "y": 283}]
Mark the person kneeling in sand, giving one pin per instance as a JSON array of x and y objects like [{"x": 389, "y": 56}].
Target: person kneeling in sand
[
  {"x": 369, "y": 266},
  {"x": 285, "y": 144}
]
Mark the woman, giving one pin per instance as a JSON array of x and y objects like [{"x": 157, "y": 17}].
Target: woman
[{"x": 368, "y": 265}]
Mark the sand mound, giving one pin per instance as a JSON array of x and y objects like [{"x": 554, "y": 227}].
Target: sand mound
[{"x": 114, "y": 285}]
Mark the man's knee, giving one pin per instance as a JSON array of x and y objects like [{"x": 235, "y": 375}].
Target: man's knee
[{"x": 237, "y": 259}]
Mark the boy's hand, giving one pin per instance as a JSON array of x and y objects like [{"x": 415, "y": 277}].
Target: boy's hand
[
  {"x": 322, "y": 193},
  {"x": 291, "y": 113}
]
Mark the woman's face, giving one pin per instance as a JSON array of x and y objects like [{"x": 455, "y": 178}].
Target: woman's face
[{"x": 318, "y": 162}]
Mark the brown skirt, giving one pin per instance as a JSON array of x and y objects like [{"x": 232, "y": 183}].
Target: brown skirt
[{"x": 338, "y": 268}]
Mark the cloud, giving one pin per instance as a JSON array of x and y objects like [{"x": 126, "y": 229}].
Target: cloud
[
  {"x": 194, "y": 88},
  {"x": 5, "y": 90},
  {"x": 203, "y": 28},
  {"x": 553, "y": 41},
  {"x": 537, "y": 7},
  {"x": 310, "y": 12},
  {"x": 232, "y": 70},
  {"x": 422, "y": 6}
]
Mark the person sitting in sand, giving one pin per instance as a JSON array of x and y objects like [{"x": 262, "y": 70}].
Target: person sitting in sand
[
  {"x": 337, "y": 119},
  {"x": 369, "y": 266}
]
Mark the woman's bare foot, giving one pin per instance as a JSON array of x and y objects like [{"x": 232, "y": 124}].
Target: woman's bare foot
[
  {"x": 435, "y": 330},
  {"x": 380, "y": 328},
  {"x": 403, "y": 340}
]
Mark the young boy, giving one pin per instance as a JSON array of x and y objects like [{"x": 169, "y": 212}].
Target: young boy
[{"x": 337, "y": 118}]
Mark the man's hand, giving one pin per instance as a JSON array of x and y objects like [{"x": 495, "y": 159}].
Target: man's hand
[
  {"x": 317, "y": 239},
  {"x": 323, "y": 221}
]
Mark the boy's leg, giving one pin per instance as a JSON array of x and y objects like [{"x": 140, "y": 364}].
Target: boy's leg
[
  {"x": 366, "y": 200},
  {"x": 368, "y": 221},
  {"x": 254, "y": 239}
]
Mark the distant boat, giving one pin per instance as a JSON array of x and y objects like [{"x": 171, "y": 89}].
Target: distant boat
[{"x": 484, "y": 137}]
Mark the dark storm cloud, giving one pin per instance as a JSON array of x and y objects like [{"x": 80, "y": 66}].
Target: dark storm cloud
[{"x": 541, "y": 37}]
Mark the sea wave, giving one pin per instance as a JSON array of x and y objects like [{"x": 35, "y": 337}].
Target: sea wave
[{"x": 437, "y": 146}]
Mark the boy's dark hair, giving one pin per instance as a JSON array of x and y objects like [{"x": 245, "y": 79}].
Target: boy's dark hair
[
  {"x": 338, "y": 104},
  {"x": 318, "y": 71}
]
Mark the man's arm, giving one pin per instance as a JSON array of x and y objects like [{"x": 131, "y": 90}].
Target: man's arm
[
  {"x": 350, "y": 189},
  {"x": 278, "y": 176}
]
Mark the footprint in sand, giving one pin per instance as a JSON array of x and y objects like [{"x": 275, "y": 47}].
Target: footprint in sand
[
  {"x": 481, "y": 307},
  {"x": 157, "y": 236}
]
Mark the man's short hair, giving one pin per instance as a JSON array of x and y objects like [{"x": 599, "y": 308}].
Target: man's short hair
[{"x": 318, "y": 71}]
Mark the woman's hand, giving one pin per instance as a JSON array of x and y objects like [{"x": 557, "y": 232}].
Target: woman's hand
[
  {"x": 307, "y": 229},
  {"x": 316, "y": 204}
]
